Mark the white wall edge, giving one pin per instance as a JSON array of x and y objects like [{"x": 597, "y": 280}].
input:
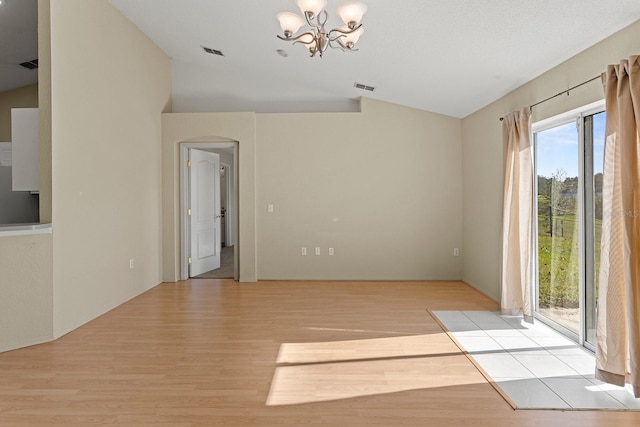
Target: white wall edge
[{"x": 25, "y": 229}]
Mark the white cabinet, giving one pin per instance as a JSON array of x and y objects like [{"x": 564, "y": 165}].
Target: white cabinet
[{"x": 25, "y": 148}]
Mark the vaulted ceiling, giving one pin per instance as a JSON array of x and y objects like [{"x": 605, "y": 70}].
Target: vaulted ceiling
[{"x": 447, "y": 56}]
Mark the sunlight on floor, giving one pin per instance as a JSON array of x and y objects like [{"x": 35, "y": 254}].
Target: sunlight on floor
[
  {"x": 322, "y": 371},
  {"x": 532, "y": 364}
]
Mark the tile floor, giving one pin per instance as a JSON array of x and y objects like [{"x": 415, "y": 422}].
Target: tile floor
[{"x": 534, "y": 365}]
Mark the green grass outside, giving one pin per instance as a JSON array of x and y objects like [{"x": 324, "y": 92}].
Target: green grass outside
[{"x": 558, "y": 257}]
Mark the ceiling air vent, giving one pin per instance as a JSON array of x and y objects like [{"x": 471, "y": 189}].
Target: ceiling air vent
[
  {"x": 364, "y": 87},
  {"x": 212, "y": 51},
  {"x": 31, "y": 65}
]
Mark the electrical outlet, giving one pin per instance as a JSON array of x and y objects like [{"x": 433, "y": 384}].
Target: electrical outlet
[
  {"x": 131, "y": 264},
  {"x": 303, "y": 252},
  {"x": 456, "y": 252},
  {"x": 317, "y": 251},
  {"x": 331, "y": 252}
]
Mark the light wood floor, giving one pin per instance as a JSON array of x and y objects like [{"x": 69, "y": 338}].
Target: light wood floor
[{"x": 215, "y": 352}]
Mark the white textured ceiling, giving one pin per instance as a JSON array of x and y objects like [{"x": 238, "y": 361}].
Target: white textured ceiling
[
  {"x": 18, "y": 43},
  {"x": 447, "y": 56}
]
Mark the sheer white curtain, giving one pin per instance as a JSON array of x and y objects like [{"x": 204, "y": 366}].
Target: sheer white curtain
[
  {"x": 618, "y": 318},
  {"x": 517, "y": 215}
]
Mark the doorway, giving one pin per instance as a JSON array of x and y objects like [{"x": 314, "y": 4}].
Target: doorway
[
  {"x": 227, "y": 210},
  {"x": 569, "y": 153}
]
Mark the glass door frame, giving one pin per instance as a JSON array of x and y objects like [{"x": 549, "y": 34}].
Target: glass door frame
[{"x": 585, "y": 203}]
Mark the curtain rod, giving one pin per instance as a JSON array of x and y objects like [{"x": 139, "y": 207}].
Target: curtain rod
[{"x": 560, "y": 93}]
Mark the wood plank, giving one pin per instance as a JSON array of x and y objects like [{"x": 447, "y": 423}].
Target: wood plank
[{"x": 216, "y": 352}]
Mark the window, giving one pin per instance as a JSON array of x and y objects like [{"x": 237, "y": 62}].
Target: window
[{"x": 569, "y": 152}]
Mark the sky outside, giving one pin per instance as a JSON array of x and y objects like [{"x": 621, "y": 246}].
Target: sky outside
[{"x": 557, "y": 148}]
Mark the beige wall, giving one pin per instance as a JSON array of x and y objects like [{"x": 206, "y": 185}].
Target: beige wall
[
  {"x": 482, "y": 148},
  {"x": 23, "y": 97},
  {"x": 209, "y": 127},
  {"x": 110, "y": 85},
  {"x": 382, "y": 187},
  {"x": 26, "y": 310},
  {"x": 26, "y": 262},
  {"x": 44, "y": 107}
]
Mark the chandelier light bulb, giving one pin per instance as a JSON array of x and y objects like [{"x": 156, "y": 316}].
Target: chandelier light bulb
[
  {"x": 313, "y": 6},
  {"x": 352, "y": 38},
  {"x": 3, "y": 3},
  {"x": 289, "y": 22},
  {"x": 306, "y": 39},
  {"x": 352, "y": 13}
]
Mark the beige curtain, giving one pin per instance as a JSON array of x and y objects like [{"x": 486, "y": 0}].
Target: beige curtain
[
  {"x": 517, "y": 215},
  {"x": 618, "y": 318}
]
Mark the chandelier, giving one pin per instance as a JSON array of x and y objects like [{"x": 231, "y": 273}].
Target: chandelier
[{"x": 317, "y": 39}]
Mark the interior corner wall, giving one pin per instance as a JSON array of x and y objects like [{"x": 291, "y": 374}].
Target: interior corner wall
[
  {"x": 482, "y": 147},
  {"x": 209, "y": 127},
  {"x": 110, "y": 85},
  {"x": 381, "y": 187}
]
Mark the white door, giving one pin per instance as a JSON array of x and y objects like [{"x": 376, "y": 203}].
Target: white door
[{"x": 204, "y": 180}]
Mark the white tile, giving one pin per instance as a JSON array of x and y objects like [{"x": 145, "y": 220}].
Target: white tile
[
  {"x": 493, "y": 324},
  {"x": 450, "y": 316},
  {"x": 621, "y": 394},
  {"x": 490, "y": 316},
  {"x": 546, "y": 366},
  {"x": 502, "y": 332},
  {"x": 554, "y": 341},
  {"x": 465, "y": 327},
  {"x": 574, "y": 350},
  {"x": 584, "y": 364},
  {"x": 480, "y": 344},
  {"x": 472, "y": 333},
  {"x": 514, "y": 320},
  {"x": 579, "y": 393},
  {"x": 488, "y": 319},
  {"x": 516, "y": 343},
  {"x": 536, "y": 351},
  {"x": 530, "y": 393},
  {"x": 502, "y": 366},
  {"x": 513, "y": 353},
  {"x": 537, "y": 329},
  {"x": 626, "y": 398}
]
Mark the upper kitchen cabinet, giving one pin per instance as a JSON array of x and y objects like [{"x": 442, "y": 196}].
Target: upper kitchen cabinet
[{"x": 25, "y": 149}]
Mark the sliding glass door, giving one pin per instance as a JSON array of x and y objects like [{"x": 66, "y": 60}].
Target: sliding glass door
[
  {"x": 569, "y": 153},
  {"x": 594, "y": 128}
]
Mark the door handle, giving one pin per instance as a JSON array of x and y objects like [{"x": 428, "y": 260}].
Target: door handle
[{"x": 218, "y": 216}]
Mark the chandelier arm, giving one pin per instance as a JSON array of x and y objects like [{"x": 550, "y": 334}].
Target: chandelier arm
[
  {"x": 305, "y": 43},
  {"x": 345, "y": 32},
  {"x": 314, "y": 20},
  {"x": 321, "y": 21},
  {"x": 297, "y": 38},
  {"x": 341, "y": 45}
]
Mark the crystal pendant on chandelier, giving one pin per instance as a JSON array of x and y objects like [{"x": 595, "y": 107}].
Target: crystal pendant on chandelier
[{"x": 316, "y": 38}]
